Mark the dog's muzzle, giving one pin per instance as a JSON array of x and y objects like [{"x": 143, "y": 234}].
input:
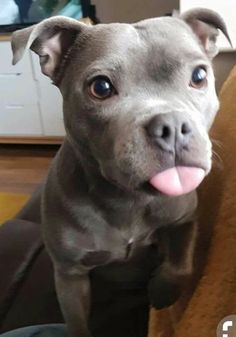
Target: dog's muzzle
[{"x": 172, "y": 134}]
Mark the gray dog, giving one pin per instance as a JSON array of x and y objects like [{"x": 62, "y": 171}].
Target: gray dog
[{"x": 120, "y": 198}]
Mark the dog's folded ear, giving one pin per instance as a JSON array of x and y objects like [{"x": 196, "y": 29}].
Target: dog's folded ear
[
  {"x": 205, "y": 23},
  {"x": 51, "y": 39}
]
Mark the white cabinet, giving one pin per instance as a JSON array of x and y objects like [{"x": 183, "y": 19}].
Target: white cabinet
[
  {"x": 50, "y": 102},
  {"x": 30, "y": 106}
]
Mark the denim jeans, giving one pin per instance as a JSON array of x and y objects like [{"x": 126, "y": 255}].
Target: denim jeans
[{"x": 48, "y": 330}]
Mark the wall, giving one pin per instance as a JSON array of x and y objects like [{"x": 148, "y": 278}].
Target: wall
[
  {"x": 226, "y": 9},
  {"x": 132, "y": 10},
  {"x": 223, "y": 63}
]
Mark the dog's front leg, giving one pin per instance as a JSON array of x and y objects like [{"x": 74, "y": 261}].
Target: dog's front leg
[
  {"x": 73, "y": 292},
  {"x": 177, "y": 245}
]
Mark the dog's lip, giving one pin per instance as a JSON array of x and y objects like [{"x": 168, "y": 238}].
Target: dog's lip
[{"x": 177, "y": 180}]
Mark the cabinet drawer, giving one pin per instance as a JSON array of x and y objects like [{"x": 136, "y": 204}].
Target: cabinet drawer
[
  {"x": 6, "y": 67},
  {"x": 20, "y": 119},
  {"x": 51, "y": 110},
  {"x": 17, "y": 89}
]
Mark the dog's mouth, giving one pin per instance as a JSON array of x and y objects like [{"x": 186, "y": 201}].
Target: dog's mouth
[
  {"x": 178, "y": 180},
  {"x": 174, "y": 181}
]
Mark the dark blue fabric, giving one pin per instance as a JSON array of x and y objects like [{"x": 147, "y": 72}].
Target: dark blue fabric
[{"x": 51, "y": 330}]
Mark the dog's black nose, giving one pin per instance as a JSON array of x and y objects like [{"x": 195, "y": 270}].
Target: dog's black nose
[{"x": 169, "y": 131}]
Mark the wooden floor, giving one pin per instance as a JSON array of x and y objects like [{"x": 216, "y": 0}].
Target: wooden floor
[{"x": 23, "y": 167}]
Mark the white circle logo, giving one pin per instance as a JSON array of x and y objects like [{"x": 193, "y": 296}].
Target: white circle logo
[{"x": 227, "y": 327}]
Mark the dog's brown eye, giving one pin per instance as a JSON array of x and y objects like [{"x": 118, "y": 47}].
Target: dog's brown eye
[
  {"x": 101, "y": 88},
  {"x": 199, "y": 76}
]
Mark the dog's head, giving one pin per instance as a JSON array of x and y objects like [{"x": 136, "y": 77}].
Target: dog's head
[{"x": 138, "y": 99}]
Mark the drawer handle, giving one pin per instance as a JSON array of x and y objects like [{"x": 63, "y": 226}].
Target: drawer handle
[
  {"x": 15, "y": 106},
  {"x": 4, "y": 75}
]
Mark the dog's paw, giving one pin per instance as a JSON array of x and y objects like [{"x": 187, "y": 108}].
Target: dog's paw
[{"x": 163, "y": 291}]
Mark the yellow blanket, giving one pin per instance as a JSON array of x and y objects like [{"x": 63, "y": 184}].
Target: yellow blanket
[
  {"x": 199, "y": 311},
  {"x": 10, "y": 204}
]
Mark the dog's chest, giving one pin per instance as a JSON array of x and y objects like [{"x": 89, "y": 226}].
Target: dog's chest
[{"x": 126, "y": 234}]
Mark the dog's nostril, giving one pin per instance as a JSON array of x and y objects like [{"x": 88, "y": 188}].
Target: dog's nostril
[
  {"x": 169, "y": 132},
  {"x": 166, "y": 132},
  {"x": 158, "y": 130},
  {"x": 185, "y": 129}
]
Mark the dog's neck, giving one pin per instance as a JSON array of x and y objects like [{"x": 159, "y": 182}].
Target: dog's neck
[
  {"x": 104, "y": 192},
  {"x": 82, "y": 180}
]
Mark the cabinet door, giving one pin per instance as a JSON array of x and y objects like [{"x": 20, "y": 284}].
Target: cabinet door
[
  {"x": 50, "y": 101},
  {"x": 19, "y": 108},
  {"x": 20, "y": 120}
]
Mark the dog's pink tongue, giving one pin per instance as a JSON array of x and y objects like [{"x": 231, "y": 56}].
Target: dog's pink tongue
[{"x": 178, "y": 180}]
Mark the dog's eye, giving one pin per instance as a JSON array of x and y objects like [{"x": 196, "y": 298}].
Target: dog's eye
[
  {"x": 199, "y": 76},
  {"x": 101, "y": 88}
]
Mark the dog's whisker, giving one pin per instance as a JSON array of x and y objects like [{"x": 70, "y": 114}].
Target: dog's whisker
[
  {"x": 217, "y": 160},
  {"x": 216, "y": 142},
  {"x": 217, "y": 156}
]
